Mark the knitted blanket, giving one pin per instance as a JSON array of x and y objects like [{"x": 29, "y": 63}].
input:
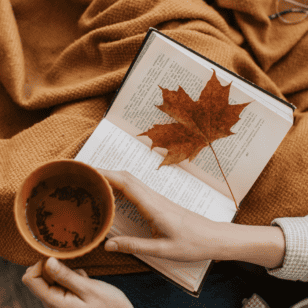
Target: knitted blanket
[{"x": 62, "y": 60}]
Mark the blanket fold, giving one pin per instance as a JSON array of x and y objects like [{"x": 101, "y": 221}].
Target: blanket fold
[{"x": 62, "y": 61}]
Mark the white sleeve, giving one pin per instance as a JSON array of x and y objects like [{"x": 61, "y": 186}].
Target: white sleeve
[{"x": 295, "y": 263}]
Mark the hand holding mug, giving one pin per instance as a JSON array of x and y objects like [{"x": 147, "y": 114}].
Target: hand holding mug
[{"x": 74, "y": 289}]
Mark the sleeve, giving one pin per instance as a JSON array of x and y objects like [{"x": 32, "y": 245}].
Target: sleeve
[
  {"x": 254, "y": 301},
  {"x": 295, "y": 263}
]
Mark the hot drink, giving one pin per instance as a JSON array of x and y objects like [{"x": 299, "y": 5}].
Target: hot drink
[{"x": 64, "y": 216}]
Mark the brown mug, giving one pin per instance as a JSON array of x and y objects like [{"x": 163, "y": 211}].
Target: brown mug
[{"x": 64, "y": 209}]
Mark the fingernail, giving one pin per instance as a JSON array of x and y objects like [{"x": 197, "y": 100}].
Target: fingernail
[
  {"x": 112, "y": 246},
  {"x": 53, "y": 264},
  {"x": 28, "y": 269}
]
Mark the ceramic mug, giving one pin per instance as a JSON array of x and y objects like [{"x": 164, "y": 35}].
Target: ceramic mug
[{"x": 64, "y": 209}]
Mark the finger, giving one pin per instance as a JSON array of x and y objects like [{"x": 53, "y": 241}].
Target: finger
[
  {"x": 28, "y": 269},
  {"x": 159, "y": 248},
  {"x": 35, "y": 282},
  {"x": 45, "y": 275},
  {"x": 32, "y": 268},
  {"x": 55, "y": 296},
  {"x": 137, "y": 192},
  {"x": 68, "y": 278},
  {"x": 149, "y": 204},
  {"x": 120, "y": 181}
]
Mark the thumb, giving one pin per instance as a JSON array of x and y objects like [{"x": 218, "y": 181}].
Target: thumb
[{"x": 135, "y": 245}]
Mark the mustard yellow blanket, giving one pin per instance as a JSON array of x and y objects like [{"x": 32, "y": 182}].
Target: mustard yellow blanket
[{"x": 62, "y": 60}]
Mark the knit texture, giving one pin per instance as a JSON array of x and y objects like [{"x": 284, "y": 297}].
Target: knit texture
[{"x": 61, "y": 62}]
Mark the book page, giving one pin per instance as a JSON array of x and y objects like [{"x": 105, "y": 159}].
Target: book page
[
  {"x": 242, "y": 156},
  {"x": 261, "y": 128},
  {"x": 267, "y": 100},
  {"x": 111, "y": 148}
]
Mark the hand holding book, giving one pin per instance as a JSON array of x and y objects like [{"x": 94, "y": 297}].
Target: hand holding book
[
  {"x": 182, "y": 235},
  {"x": 178, "y": 234}
]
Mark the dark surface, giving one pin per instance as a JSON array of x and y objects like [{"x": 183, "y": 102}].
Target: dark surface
[{"x": 226, "y": 286}]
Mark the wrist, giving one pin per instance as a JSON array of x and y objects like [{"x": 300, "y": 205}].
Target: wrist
[{"x": 261, "y": 245}]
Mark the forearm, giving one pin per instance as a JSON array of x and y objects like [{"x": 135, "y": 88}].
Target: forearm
[{"x": 262, "y": 245}]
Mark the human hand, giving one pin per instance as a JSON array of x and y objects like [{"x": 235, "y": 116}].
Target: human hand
[
  {"x": 178, "y": 234},
  {"x": 74, "y": 288}
]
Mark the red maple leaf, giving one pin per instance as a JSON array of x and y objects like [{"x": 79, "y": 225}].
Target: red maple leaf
[{"x": 199, "y": 123}]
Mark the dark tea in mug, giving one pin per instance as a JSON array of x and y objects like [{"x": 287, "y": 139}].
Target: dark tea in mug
[{"x": 62, "y": 213}]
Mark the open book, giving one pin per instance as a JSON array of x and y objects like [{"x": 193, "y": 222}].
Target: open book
[{"x": 197, "y": 185}]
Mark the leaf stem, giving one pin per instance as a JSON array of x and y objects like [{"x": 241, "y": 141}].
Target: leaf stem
[{"x": 223, "y": 175}]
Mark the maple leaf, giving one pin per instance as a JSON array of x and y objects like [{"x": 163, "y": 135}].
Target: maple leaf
[{"x": 199, "y": 123}]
